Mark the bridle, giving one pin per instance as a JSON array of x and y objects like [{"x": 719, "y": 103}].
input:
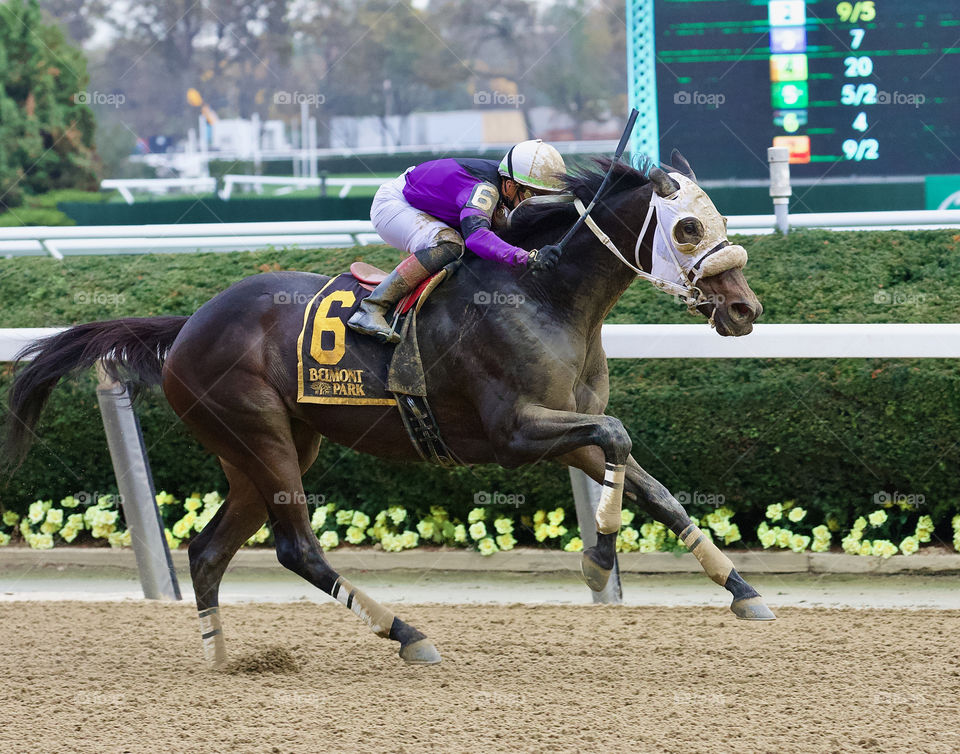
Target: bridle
[{"x": 689, "y": 292}]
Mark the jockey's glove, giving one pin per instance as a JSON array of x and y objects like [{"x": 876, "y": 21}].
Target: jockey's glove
[{"x": 544, "y": 259}]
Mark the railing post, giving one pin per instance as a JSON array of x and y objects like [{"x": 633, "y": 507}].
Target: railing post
[
  {"x": 780, "y": 190},
  {"x": 137, "y": 495},
  {"x": 586, "y": 498},
  {"x": 323, "y": 183}
]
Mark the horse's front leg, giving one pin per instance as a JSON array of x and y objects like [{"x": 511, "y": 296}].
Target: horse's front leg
[{"x": 657, "y": 501}]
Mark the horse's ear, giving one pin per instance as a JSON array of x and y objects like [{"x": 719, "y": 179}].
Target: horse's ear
[
  {"x": 681, "y": 165},
  {"x": 663, "y": 184}
]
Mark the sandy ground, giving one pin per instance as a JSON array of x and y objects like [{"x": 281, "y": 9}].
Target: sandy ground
[{"x": 128, "y": 677}]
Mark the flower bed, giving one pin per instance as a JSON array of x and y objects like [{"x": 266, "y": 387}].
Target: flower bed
[{"x": 891, "y": 529}]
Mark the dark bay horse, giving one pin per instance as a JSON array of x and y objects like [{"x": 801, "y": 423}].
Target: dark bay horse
[{"x": 510, "y": 385}]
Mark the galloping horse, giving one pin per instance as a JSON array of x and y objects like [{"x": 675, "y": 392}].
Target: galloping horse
[{"x": 508, "y": 385}]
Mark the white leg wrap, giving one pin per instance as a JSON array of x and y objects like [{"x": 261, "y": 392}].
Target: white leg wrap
[
  {"x": 371, "y": 612},
  {"x": 611, "y": 500},
  {"x": 214, "y": 647},
  {"x": 717, "y": 565}
]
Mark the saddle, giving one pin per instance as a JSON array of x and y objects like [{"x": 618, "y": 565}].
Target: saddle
[{"x": 370, "y": 277}]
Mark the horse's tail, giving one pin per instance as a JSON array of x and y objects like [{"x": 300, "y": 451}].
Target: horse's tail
[{"x": 133, "y": 350}]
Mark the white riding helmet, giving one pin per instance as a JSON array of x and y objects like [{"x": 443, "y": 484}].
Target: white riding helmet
[{"x": 535, "y": 165}]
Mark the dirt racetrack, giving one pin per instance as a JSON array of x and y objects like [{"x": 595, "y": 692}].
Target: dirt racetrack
[{"x": 128, "y": 677}]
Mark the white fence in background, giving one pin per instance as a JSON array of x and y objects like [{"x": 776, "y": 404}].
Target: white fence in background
[
  {"x": 698, "y": 341},
  {"x": 126, "y": 186},
  {"x": 292, "y": 183},
  {"x": 60, "y": 241}
]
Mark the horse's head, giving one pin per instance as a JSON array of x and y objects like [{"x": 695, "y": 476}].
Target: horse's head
[{"x": 690, "y": 248}]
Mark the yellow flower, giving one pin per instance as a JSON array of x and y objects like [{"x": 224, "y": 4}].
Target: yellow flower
[
  {"x": 37, "y": 511},
  {"x": 172, "y": 542},
  {"x": 181, "y": 529},
  {"x": 503, "y": 525},
  {"x": 821, "y": 532},
  {"x": 721, "y": 527},
  {"x": 925, "y": 528},
  {"x": 212, "y": 500},
  {"x": 119, "y": 539},
  {"x": 478, "y": 530},
  {"x": 409, "y": 539},
  {"x": 647, "y": 545},
  {"x": 860, "y": 524},
  {"x": 426, "y": 528},
  {"x": 574, "y": 545},
  {"x": 354, "y": 535},
  {"x": 329, "y": 540},
  {"x": 909, "y": 545},
  {"x": 629, "y": 535},
  {"x": 856, "y": 534},
  {"x": 360, "y": 520},
  {"x": 767, "y": 538},
  {"x": 487, "y": 546},
  {"x": 732, "y": 535},
  {"x": 796, "y": 514},
  {"x": 866, "y": 548},
  {"x": 397, "y": 514},
  {"x": 783, "y": 537},
  {"x": 541, "y": 531},
  {"x": 833, "y": 523},
  {"x": 539, "y": 517},
  {"x": 798, "y": 542},
  {"x": 318, "y": 519},
  {"x": 439, "y": 513},
  {"x": 884, "y": 548},
  {"x": 555, "y": 517},
  {"x": 193, "y": 503},
  {"x": 460, "y": 533},
  {"x": 850, "y": 545},
  {"x": 10, "y": 518},
  {"x": 820, "y": 545},
  {"x": 69, "y": 533},
  {"x": 165, "y": 498},
  {"x": 775, "y": 512},
  {"x": 553, "y": 531},
  {"x": 477, "y": 514},
  {"x": 41, "y": 541},
  {"x": 877, "y": 518},
  {"x": 344, "y": 518},
  {"x": 69, "y": 502},
  {"x": 506, "y": 541},
  {"x": 626, "y": 517}
]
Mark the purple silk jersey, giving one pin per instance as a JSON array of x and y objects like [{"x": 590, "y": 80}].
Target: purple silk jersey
[{"x": 464, "y": 194}]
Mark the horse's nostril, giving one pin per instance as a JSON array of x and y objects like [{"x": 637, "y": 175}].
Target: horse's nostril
[{"x": 739, "y": 311}]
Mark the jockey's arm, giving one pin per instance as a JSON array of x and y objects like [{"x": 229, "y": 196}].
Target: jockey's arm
[{"x": 475, "y": 221}]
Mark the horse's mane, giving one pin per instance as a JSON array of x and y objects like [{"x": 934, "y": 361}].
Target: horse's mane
[{"x": 582, "y": 181}]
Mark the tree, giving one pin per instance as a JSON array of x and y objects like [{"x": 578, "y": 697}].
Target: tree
[{"x": 46, "y": 130}]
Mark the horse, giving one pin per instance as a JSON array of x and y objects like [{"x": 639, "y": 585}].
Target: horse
[{"x": 509, "y": 385}]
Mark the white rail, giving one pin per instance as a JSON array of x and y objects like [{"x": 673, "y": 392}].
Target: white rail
[
  {"x": 802, "y": 341},
  {"x": 126, "y": 186},
  {"x": 295, "y": 182}
]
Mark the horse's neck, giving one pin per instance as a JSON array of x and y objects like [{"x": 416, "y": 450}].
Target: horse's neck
[{"x": 589, "y": 279}]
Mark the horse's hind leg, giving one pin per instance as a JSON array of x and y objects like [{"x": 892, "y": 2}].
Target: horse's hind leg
[
  {"x": 240, "y": 516},
  {"x": 271, "y": 456}
]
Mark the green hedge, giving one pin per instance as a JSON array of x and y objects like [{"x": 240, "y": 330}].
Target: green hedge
[{"x": 828, "y": 433}]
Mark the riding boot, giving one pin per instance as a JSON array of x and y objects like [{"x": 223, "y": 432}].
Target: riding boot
[{"x": 371, "y": 316}]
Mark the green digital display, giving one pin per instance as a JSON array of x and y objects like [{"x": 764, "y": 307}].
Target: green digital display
[{"x": 864, "y": 88}]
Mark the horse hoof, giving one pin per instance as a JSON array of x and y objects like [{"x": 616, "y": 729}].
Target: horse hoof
[
  {"x": 595, "y": 575},
  {"x": 752, "y": 608},
  {"x": 420, "y": 653}
]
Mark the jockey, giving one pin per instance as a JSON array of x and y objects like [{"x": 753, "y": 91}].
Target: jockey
[{"x": 435, "y": 209}]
